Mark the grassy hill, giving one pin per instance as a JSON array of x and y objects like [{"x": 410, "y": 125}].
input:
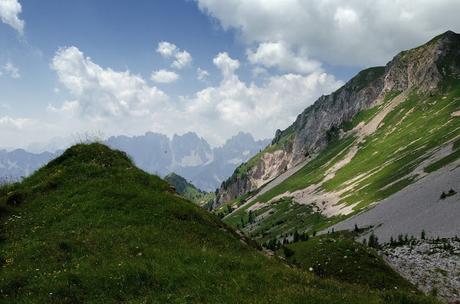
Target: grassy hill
[
  {"x": 90, "y": 227},
  {"x": 189, "y": 191}
]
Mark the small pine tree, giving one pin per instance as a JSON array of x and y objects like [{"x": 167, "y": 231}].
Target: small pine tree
[
  {"x": 251, "y": 217},
  {"x": 306, "y": 236},
  {"x": 287, "y": 252},
  {"x": 423, "y": 235},
  {"x": 296, "y": 237},
  {"x": 373, "y": 241},
  {"x": 356, "y": 228}
]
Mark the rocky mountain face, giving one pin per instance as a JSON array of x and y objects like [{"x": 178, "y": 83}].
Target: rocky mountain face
[
  {"x": 422, "y": 69},
  {"x": 188, "y": 155}
]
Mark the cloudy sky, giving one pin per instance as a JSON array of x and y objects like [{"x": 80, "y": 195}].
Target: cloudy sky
[{"x": 215, "y": 67}]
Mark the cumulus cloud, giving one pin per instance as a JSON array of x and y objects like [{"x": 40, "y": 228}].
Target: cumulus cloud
[
  {"x": 15, "y": 123},
  {"x": 10, "y": 70},
  {"x": 234, "y": 105},
  {"x": 226, "y": 65},
  {"x": 182, "y": 58},
  {"x": 9, "y": 14},
  {"x": 68, "y": 108},
  {"x": 277, "y": 54},
  {"x": 201, "y": 74},
  {"x": 164, "y": 76},
  {"x": 123, "y": 103},
  {"x": 347, "y": 32},
  {"x": 166, "y": 49},
  {"x": 103, "y": 93}
]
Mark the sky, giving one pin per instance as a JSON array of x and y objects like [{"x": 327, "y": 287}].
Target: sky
[{"x": 214, "y": 67}]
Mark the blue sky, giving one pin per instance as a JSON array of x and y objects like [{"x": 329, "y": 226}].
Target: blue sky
[{"x": 69, "y": 67}]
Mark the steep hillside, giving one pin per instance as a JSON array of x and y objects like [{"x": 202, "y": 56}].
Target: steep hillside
[
  {"x": 92, "y": 228},
  {"x": 385, "y": 129},
  {"x": 189, "y": 191}
]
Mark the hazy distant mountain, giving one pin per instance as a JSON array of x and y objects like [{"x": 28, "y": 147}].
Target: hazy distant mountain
[
  {"x": 188, "y": 155},
  {"x": 18, "y": 163}
]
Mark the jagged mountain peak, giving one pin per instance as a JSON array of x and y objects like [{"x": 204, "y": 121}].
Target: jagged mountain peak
[{"x": 425, "y": 67}]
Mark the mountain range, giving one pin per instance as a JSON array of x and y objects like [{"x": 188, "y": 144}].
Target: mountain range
[{"x": 187, "y": 155}]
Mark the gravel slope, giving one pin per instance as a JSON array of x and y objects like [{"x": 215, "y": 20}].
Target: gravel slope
[{"x": 415, "y": 208}]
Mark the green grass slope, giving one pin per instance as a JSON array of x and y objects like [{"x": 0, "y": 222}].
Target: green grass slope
[
  {"x": 338, "y": 256},
  {"x": 92, "y": 228},
  {"x": 189, "y": 191}
]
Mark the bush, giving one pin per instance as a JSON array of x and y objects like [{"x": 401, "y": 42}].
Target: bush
[
  {"x": 15, "y": 198},
  {"x": 287, "y": 252}
]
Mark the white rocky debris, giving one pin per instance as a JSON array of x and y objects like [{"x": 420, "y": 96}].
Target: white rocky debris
[{"x": 431, "y": 265}]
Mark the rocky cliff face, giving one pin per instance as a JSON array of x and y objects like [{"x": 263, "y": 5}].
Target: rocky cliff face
[{"x": 421, "y": 69}]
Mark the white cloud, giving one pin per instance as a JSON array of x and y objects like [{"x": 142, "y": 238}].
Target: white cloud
[
  {"x": 277, "y": 54},
  {"x": 68, "y": 108},
  {"x": 9, "y": 14},
  {"x": 122, "y": 103},
  {"x": 166, "y": 49},
  {"x": 182, "y": 58},
  {"x": 103, "y": 93},
  {"x": 348, "y": 32},
  {"x": 201, "y": 74},
  {"x": 259, "y": 72},
  {"x": 345, "y": 17},
  {"x": 11, "y": 70},
  {"x": 260, "y": 109},
  {"x": 164, "y": 76},
  {"x": 15, "y": 123},
  {"x": 226, "y": 65}
]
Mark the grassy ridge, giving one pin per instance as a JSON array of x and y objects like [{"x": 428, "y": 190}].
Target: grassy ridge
[
  {"x": 189, "y": 191},
  {"x": 92, "y": 228}
]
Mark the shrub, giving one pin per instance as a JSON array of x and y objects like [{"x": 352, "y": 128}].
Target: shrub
[{"x": 287, "y": 252}]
